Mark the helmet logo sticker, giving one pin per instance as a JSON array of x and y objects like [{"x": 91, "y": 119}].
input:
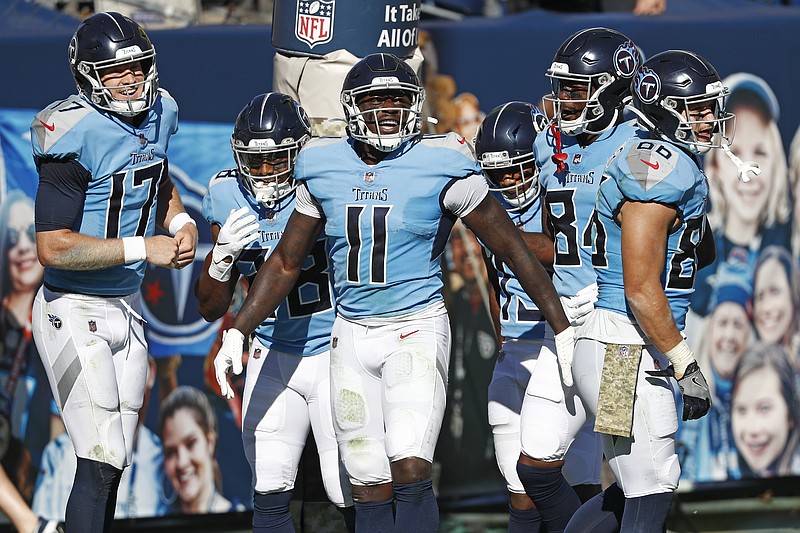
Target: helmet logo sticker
[
  {"x": 648, "y": 85},
  {"x": 314, "y": 21},
  {"x": 73, "y": 46},
  {"x": 626, "y": 60}
]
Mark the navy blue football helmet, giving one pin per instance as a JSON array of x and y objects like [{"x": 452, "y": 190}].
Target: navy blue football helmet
[
  {"x": 603, "y": 60},
  {"x": 107, "y": 40},
  {"x": 381, "y": 72},
  {"x": 271, "y": 128},
  {"x": 665, "y": 88},
  {"x": 504, "y": 146}
]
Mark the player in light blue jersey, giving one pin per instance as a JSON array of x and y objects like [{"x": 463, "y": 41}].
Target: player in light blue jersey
[
  {"x": 650, "y": 238},
  {"x": 287, "y": 386},
  {"x": 590, "y": 74},
  {"x": 103, "y": 187},
  {"x": 504, "y": 148},
  {"x": 387, "y": 198}
]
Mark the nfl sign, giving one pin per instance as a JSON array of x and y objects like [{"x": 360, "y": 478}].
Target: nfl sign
[{"x": 314, "y": 22}]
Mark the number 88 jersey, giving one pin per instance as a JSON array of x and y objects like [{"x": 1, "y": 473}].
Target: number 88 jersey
[
  {"x": 650, "y": 171},
  {"x": 302, "y": 324}
]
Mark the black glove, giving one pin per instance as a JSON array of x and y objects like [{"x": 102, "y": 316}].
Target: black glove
[{"x": 694, "y": 388}]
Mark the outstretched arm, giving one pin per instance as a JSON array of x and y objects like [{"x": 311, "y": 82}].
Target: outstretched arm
[{"x": 494, "y": 228}]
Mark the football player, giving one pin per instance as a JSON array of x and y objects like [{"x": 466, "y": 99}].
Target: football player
[
  {"x": 287, "y": 385},
  {"x": 590, "y": 74},
  {"x": 103, "y": 187},
  {"x": 650, "y": 239},
  {"x": 387, "y": 198},
  {"x": 504, "y": 147}
]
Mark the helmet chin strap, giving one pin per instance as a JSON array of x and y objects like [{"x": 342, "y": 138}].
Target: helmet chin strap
[{"x": 742, "y": 167}]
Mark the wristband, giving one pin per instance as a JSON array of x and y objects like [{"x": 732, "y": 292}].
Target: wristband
[
  {"x": 135, "y": 249},
  {"x": 220, "y": 270},
  {"x": 179, "y": 221},
  {"x": 680, "y": 356}
]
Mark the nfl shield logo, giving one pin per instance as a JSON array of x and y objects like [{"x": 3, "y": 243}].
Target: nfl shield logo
[
  {"x": 92, "y": 326},
  {"x": 314, "y": 22},
  {"x": 576, "y": 160},
  {"x": 257, "y": 353},
  {"x": 369, "y": 176}
]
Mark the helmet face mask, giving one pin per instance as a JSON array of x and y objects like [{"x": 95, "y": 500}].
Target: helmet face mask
[
  {"x": 583, "y": 93},
  {"x": 268, "y": 134},
  {"x": 107, "y": 45},
  {"x": 525, "y": 187},
  {"x": 679, "y": 96},
  {"x": 504, "y": 148},
  {"x": 601, "y": 62},
  {"x": 382, "y": 100}
]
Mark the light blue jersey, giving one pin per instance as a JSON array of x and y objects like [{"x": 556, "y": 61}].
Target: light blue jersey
[
  {"x": 126, "y": 166},
  {"x": 387, "y": 224},
  {"x": 519, "y": 316},
  {"x": 305, "y": 318},
  {"x": 651, "y": 171},
  {"x": 569, "y": 196}
]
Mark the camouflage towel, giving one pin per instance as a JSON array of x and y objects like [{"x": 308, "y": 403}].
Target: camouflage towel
[{"x": 618, "y": 389}]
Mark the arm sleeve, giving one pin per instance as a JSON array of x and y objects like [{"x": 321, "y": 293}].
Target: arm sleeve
[
  {"x": 465, "y": 195},
  {"x": 305, "y": 203},
  {"x": 61, "y": 194}
]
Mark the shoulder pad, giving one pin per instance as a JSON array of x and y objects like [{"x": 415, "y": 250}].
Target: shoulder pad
[
  {"x": 451, "y": 140},
  {"x": 224, "y": 175},
  {"x": 58, "y": 119},
  {"x": 651, "y": 161},
  {"x": 316, "y": 142}
]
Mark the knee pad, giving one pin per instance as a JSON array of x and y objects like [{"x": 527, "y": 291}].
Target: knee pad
[
  {"x": 272, "y": 464},
  {"x": 506, "y": 451},
  {"x": 544, "y": 433},
  {"x": 365, "y": 461}
]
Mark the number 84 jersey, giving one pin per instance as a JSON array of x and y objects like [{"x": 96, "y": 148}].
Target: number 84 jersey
[{"x": 650, "y": 171}]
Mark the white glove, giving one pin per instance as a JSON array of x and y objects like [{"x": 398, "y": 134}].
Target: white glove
[
  {"x": 565, "y": 346},
  {"x": 229, "y": 357},
  {"x": 238, "y": 231},
  {"x": 578, "y": 307}
]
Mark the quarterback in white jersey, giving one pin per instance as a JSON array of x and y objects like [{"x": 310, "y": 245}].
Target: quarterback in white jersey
[
  {"x": 104, "y": 185},
  {"x": 287, "y": 390},
  {"x": 387, "y": 198}
]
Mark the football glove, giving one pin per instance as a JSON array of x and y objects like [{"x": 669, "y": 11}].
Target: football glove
[
  {"x": 694, "y": 389},
  {"x": 578, "y": 307},
  {"x": 228, "y": 358},
  {"x": 565, "y": 347},
  {"x": 238, "y": 231}
]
